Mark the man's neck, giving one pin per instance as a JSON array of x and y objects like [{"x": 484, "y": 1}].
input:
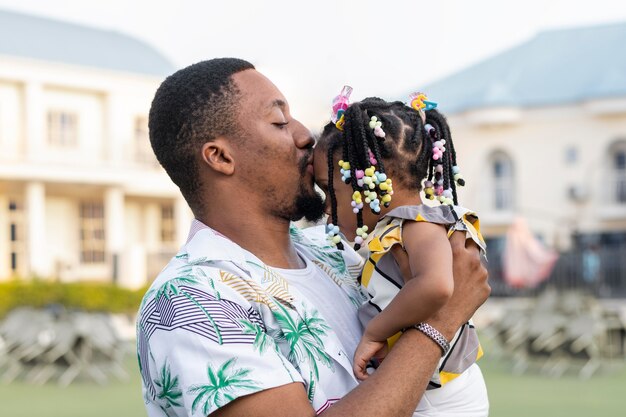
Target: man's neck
[{"x": 265, "y": 236}]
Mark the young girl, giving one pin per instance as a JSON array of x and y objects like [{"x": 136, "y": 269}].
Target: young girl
[{"x": 370, "y": 162}]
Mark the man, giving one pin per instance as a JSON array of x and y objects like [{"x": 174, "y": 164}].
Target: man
[{"x": 252, "y": 318}]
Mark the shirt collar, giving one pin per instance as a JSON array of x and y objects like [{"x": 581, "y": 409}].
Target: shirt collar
[{"x": 205, "y": 243}]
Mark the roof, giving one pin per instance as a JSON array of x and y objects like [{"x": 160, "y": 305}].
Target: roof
[
  {"x": 57, "y": 41},
  {"x": 556, "y": 67}
]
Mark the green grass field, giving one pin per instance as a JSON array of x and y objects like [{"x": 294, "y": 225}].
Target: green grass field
[
  {"x": 537, "y": 395},
  {"x": 511, "y": 396}
]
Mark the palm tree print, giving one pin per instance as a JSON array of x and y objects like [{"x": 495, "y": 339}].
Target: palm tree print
[
  {"x": 304, "y": 335},
  {"x": 225, "y": 384},
  {"x": 333, "y": 259},
  {"x": 296, "y": 234},
  {"x": 168, "y": 387},
  {"x": 310, "y": 392},
  {"x": 262, "y": 342},
  {"x": 172, "y": 288}
]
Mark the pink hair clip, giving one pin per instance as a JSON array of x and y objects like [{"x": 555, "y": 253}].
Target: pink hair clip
[{"x": 340, "y": 105}]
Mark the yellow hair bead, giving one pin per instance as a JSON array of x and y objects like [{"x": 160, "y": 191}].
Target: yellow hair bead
[{"x": 341, "y": 122}]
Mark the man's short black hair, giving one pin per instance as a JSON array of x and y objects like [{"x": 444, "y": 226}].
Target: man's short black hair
[{"x": 191, "y": 107}]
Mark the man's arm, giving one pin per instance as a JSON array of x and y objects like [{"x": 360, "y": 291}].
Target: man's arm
[{"x": 398, "y": 384}]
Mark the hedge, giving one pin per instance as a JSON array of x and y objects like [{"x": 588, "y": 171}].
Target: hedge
[{"x": 85, "y": 296}]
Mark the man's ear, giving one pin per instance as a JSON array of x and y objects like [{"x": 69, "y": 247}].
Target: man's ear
[{"x": 218, "y": 156}]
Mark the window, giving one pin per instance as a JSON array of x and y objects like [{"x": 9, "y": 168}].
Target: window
[
  {"x": 168, "y": 229},
  {"x": 618, "y": 174},
  {"x": 16, "y": 237},
  {"x": 502, "y": 182},
  {"x": 62, "y": 128},
  {"x": 92, "y": 241}
]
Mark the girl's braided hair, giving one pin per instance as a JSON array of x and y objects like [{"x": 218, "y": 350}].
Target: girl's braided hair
[{"x": 404, "y": 154}]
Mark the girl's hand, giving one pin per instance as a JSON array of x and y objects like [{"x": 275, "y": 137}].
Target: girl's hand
[{"x": 366, "y": 350}]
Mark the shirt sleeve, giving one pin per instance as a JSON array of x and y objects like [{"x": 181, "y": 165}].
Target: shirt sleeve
[{"x": 203, "y": 346}]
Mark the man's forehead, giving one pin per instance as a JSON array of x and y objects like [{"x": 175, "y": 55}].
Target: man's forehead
[{"x": 259, "y": 91}]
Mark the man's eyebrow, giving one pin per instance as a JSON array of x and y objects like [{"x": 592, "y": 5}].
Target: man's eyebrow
[{"x": 278, "y": 103}]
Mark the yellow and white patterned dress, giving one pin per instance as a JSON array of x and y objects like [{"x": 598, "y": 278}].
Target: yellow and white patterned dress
[{"x": 382, "y": 278}]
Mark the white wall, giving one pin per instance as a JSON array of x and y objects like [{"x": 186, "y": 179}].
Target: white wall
[
  {"x": 11, "y": 111},
  {"x": 88, "y": 106},
  {"x": 536, "y": 141},
  {"x": 108, "y": 102}
]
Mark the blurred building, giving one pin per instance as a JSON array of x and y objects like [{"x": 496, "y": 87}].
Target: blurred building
[
  {"x": 540, "y": 132},
  {"x": 81, "y": 195}
]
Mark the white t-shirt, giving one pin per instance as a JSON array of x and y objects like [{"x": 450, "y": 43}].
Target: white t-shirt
[{"x": 332, "y": 303}]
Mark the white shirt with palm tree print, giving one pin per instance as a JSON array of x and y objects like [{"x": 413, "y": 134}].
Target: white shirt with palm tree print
[{"x": 218, "y": 324}]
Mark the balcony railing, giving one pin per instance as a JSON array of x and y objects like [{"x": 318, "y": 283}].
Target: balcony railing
[{"x": 601, "y": 272}]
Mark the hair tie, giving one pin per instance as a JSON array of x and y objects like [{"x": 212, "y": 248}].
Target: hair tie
[{"x": 419, "y": 101}]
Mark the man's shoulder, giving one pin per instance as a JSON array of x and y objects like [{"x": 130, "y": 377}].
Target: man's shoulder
[{"x": 181, "y": 272}]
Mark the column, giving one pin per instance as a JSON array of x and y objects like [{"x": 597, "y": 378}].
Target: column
[
  {"x": 35, "y": 121},
  {"x": 183, "y": 217},
  {"x": 135, "y": 267},
  {"x": 114, "y": 226},
  {"x": 37, "y": 253},
  {"x": 152, "y": 226}
]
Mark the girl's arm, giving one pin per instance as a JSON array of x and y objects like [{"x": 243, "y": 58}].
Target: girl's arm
[
  {"x": 429, "y": 285},
  {"x": 427, "y": 271}
]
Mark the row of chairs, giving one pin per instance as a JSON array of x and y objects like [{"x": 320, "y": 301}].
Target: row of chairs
[
  {"x": 560, "y": 332},
  {"x": 54, "y": 344}
]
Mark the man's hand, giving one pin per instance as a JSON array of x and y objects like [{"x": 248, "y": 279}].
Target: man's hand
[{"x": 471, "y": 288}]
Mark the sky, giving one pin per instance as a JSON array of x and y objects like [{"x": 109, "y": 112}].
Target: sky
[{"x": 311, "y": 49}]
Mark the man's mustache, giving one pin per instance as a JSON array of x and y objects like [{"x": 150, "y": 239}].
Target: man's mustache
[{"x": 305, "y": 160}]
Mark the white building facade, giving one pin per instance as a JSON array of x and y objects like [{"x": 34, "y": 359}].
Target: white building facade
[
  {"x": 540, "y": 132},
  {"x": 563, "y": 168},
  {"x": 81, "y": 195}
]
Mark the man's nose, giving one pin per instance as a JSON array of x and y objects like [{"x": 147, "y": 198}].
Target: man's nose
[{"x": 302, "y": 137}]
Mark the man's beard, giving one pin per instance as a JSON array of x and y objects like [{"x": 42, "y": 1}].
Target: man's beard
[{"x": 308, "y": 204}]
